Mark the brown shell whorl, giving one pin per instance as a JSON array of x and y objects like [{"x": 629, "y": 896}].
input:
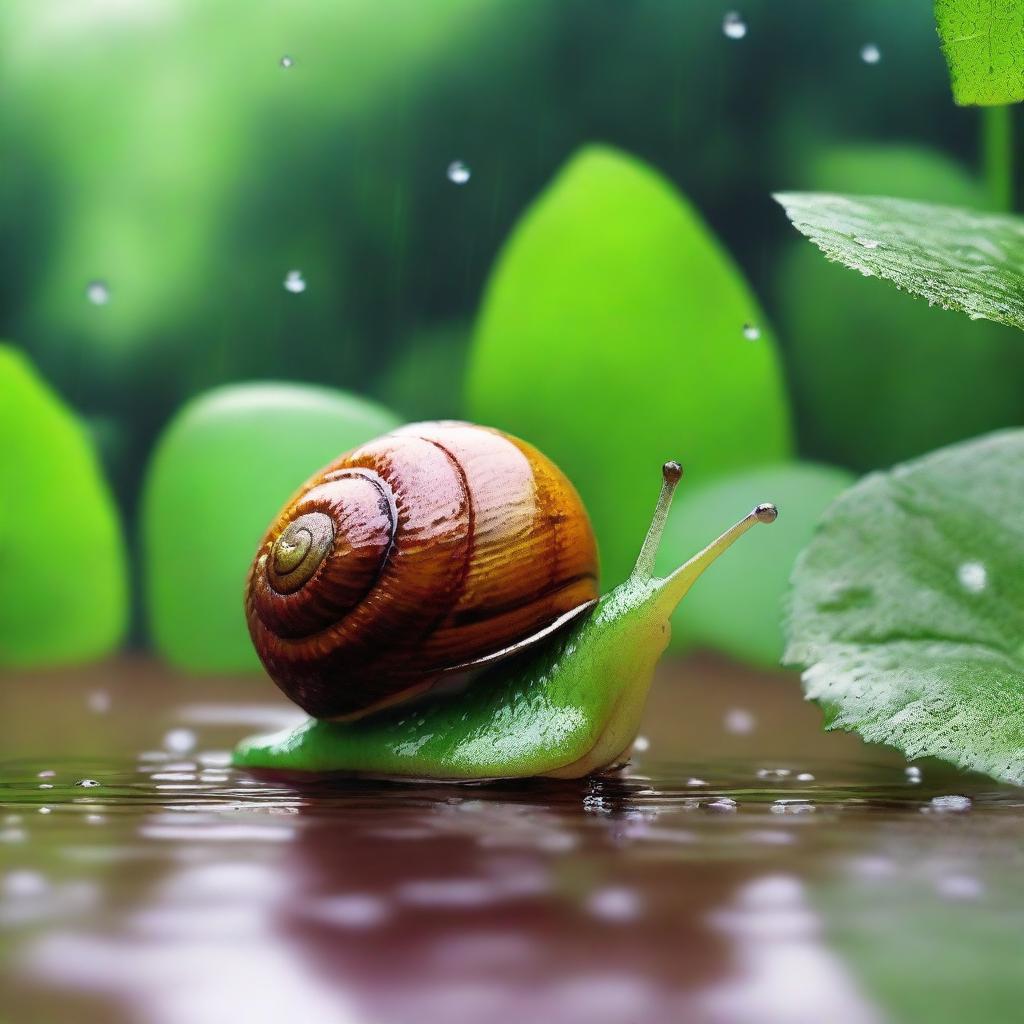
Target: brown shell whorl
[{"x": 424, "y": 550}]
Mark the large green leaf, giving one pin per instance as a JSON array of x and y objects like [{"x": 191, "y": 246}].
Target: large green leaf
[
  {"x": 983, "y": 41},
  {"x": 908, "y": 607},
  {"x": 222, "y": 470},
  {"x": 911, "y": 373},
  {"x": 611, "y": 336},
  {"x": 63, "y": 588},
  {"x": 736, "y": 606},
  {"x": 955, "y": 258}
]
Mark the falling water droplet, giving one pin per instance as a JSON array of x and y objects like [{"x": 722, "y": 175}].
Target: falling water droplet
[
  {"x": 641, "y": 744},
  {"x": 733, "y": 25},
  {"x": 751, "y": 332},
  {"x": 286, "y": 61},
  {"x": 458, "y": 172},
  {"x": 913, "y": 774},
  {"x": 973, "y": 577},
  {"x": 870, "y": 53},
  {"x": 294, "y": 282},
  {"x": 97, "y": 292},
  {"x": 180, "y": 740}
]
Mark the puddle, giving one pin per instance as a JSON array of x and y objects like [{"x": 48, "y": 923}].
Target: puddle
[{"x": 727, "y": 885}]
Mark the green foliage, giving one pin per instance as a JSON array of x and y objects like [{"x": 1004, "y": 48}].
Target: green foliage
[
  {"x": 737, "y": 605},
  {"x": 876, "y": 378},
  {"x": 222, "y": 470},
  {"x": 611, "y": 336},
  {"x": 955, "y": 258},
  {"x": 425, "y": 382},
  {"x": 983, "y": 41},
  {"x": 63, "y": 590},
  {"x": 908, "y": 607}
]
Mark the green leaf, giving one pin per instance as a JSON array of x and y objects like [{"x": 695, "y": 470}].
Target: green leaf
[
  {"x": 955, "y": 258},
  {"x": 736, "y": 606},
  {"x": 910, "y": 375},
  {"x": 983, "y": 41},
  {"x": 63, "y": 589},
  {"x": 222, "y": 470},
  {"x": 908, "y": 607},
  {"x": 611, "y": 336}
]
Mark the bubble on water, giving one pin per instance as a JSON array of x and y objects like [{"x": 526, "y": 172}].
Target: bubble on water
[
  {"x": 46, "y": 773},
  {"x": 641, "y": 744},
  {"x": 99, "y": 702},
  {"x": 805, "y": 777},
  {"x": 287, "y": 62},
  {"x": 959, "y": 887},
  {"x": 867, "y": 243},
  {"x": 773, "y": 773},
  {"x": 739, "y": 722},
  {"x": 180, "y": 741},
  {"x": 733, "y": 25},
  {"x": 97, "y": 292},
  {"x": 751, "y": 332},
  {"x": 87, "y": 783},
  {"x": 973, "y": 577},
  {"x": 616, "y": 903},
  {"x": 294, "y": 282},
  {"x": 951, "y": 804},
  {"x": 24, "y": 883},
  {"x": 870, "y": 53},
  {"x": 792, "y": 807},
  {"x": 458, "y": 172},
  {"x": 722, "y": 804},
  {"x": 913, "y": 773}
]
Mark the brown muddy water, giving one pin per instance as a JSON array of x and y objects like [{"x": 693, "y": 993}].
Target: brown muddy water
[{"x": 744, "y": 868}]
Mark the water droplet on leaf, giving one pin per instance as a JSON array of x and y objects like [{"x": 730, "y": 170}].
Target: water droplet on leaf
[{"x": 973, "y": 577}]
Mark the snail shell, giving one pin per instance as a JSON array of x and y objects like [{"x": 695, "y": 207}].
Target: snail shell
[{"x": 433, "y": 549}]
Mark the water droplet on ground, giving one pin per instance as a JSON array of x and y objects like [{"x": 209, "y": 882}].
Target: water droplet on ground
[
  {"x": 87, "y": 783},
  {"x": 458, "y": 172},
  {"x": 97, "y": 292},
  {"x": 733, "y": 25},
  {"x": 294, "y": 282},
  {"x": 870, "y": 53},
  {"x": 722, "y": 804},
  {"x": 792, "y": 807},
  {"x": 952, "y": 804}
]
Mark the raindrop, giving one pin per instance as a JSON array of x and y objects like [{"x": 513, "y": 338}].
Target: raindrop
[
  {"x": 181, "y": 741},
  {"x": 641, "y": 744},
  {"x": 751, "y": 332},
  {"x": 287, "y": 62},
  {"x": 98, "y": 292},
  {"x": 973, "y": 577},
  {"x": 294, "y": 282},
  {"x": 913, "y": 773},
  {"x": 458, "y": 172},
  {"x": 870, "y": 53},
  {"x": 739, "y": 721},
  {"x": 87, "y": 783},
  {"x": 723, "y": 804},
  {"x": 952, "y": 804},
  {"x": 868, "y": 243},
  {"x": 734, "y": 26}
]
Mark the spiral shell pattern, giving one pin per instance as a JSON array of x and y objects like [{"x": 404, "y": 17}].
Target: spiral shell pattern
[{"x": 425, "y": 551}]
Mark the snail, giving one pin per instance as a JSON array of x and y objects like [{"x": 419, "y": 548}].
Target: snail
[{"x": 447, "y": 553}]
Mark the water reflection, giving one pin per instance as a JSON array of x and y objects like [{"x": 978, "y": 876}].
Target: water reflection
[{"x": 718, "y": 889}]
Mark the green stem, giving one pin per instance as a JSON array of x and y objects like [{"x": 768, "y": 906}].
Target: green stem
[{"x": 997, "y": 155}]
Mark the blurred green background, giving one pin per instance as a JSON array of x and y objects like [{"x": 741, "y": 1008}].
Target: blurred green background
[{"x": 203, "y": 194}]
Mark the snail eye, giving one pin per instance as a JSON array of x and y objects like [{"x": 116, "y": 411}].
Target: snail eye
[{"x": 299, "y": 551}]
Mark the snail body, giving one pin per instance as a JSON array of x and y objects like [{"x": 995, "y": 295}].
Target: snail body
[{"x": 563, "y": 701}]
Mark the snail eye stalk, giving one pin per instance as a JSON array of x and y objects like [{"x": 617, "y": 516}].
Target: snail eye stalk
[{"x": 671, "y": 474}]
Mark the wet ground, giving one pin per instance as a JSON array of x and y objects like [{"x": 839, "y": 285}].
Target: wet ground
[{"x": 744, "y": 868}]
